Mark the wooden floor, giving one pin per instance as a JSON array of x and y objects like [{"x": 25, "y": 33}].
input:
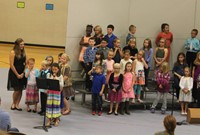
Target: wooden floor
[{"x": 39, "y": 53}]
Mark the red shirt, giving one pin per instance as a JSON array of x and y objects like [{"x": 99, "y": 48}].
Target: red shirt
[{"x": 168, "y": 37}]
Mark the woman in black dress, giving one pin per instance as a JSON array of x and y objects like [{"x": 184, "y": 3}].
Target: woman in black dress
[{"x": 16, "y": 79}]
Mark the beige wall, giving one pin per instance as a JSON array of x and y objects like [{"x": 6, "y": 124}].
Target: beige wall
[
  {"x": 33, "y": 23},
  {"x": 147, "y": 15}
]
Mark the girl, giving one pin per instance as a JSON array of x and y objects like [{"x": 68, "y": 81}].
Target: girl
[
  {"x": 161, "y": 53},
  {"x": 50, "y": 61},
  {"x": 118, "y": 54},
  {"x": 54, "y": 97},
  {"x": 115, "y": 84},
  {"x": 148, "y": 50},
  {"x": 162, "y": 79},
  {"x": 196, "y": 77},
  {"x": 186, "y": 84},
  {"x": 84, "y": 44},
  {"x": 132, "y": 48},
  {"x": 32, "y": 95},
  {"x": 138, "y": 69},
  {"x": 98, "y": 35},
  {"x": 127, "y": 88},
  {"x": 68, "y": 91},
  {"x": 124, "y": 61},
  {"x": 178, "y": 71}
]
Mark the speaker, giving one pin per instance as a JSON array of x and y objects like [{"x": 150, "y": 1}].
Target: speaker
[{"x": 193, "y": 115}]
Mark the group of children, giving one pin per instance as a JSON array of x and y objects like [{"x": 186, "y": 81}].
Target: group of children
[
  {"x": 121, "y": 74},
  {"x": 53, "y": 103}
]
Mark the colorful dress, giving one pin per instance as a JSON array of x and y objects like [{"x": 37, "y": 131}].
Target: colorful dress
[
  {"x": 186, "y": 83},
  {"x": 115, "y": 82},
  {"x": 32, "y": 92},
  {"x": 139, "y": 72},
  {"x": 83, "y": 48},
  {"x": 53, "y": 99},
  {"x": 127, "y": 90}
]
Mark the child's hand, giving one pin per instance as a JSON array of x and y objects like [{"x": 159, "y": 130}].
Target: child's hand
[
  {"x": 114, "y": 90},
  {"x": 101, "y": 93},
  {"x": 93, "y": 68},
  {"x": 160, "y": 86}
]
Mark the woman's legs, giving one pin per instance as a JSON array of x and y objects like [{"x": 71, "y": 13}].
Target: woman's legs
[
  {"x": 111, "y": 107},
  {"x": 116, "y": 107},
  {"x": 186, "y": 108},
  {"x": 19, "y": 96},
  {"x": 67, "y": 107}
]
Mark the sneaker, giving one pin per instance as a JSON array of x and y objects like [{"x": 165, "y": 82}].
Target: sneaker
[
  {"x": 146, "y": 89},
  {"x": 163, "y": 111},
  {"x": 152, "y": 110},
  {"x": 185, "y": 113},
  {"x": 100, "y": 113},
  {"x": 133, "y": 101},
  {"x": 182, "y": 113},
  {"x": 140, "y": 101},
  {"x": 93, "y": 113}
]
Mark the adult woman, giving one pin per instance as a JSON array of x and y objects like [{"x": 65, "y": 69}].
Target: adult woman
[
  {"x": 98, "y": 35},
  {"x": 16, "y": 79},
  {"x": 165, "y": 33}
]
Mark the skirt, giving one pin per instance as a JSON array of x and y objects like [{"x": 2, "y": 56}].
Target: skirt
[
  {"x": 32, "y": 95},
  {"x": 115, "y": 96},
  {"x": 53, "y": 104},
  {"x": 82, "y": 53},
  {"x": 68, "y": 91},
  {"x": 185, "y": 97}
]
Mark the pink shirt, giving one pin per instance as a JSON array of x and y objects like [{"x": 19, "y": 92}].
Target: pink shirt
[{"x": 109, "y": 64}]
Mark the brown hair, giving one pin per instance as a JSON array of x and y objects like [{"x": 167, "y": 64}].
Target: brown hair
[
  {"x": 197, "y": 60},
  {"x": 170, "y": 124},
  {"x": 18, "y": 52},
  {"x": 131, "y": 27},
  {"x": 31, "y": 59}
]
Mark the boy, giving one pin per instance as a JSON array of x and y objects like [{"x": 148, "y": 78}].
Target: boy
[
  {"x": 89, "y": 56},
  {"x": 110, "y": 36},
  {"x": 132, "y": 30},
  {"x": 104, "y": 48},
  {"x": 192, "y": 46},
  {"x": 98, "y": 86}
]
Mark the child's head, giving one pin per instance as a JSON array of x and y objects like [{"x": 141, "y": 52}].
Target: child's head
[
  {"x": 128, "y": 67},
  {"x": 197, "y": 60},
  {"x": 132, "y": 29},
  {"x": 169, "y": 124},
  {"x": 104, "y": 42},
  {"x": 55, "y": 69},
  {"x": 98, "y": 69},
  {"x": 110, "y": 29},
  {"x": 49, "y": 59},
  {"x": 89, "y": 30},
  {"x": 127, "y": 54},
  {"x": 99, "y": 55},
  {"x": 187, "y": 71},
  {"x": 59, "y": 57},
  {"x": 44, "y": 65},
  {"x": 140, "y": 54},
  {"x": 165, "y": 27},
  {"x": 164, "y": 67},
  {"x": 181, "y": 57},
  {"x": 110, "y": 54},
  {"x": 98, "y": 30},
  {"x": 116, "y": 68},
  {"x": 64, "y": 58},
  {"x": 116, "y": 42},
  {"x": 91, "y": 41},
  {"x": 147, "y": 43},
  {"x": 132, "y": 42},
  {"x": 31, "y": 62},
  {"x": 194, "y": 33},
  {"x": 162, "y": 42}
]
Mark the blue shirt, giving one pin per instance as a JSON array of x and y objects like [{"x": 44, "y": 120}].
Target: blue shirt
[
  {"x": 98, "y": 81},
  {"x": 192, "y": 44},
  {"x": 89, "y": 54},
  {"x": 129, "y": 36},
  {"x": 110, "y": 40}
]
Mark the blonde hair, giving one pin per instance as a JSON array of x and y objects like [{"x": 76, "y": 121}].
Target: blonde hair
[
  {"x": 164, "y": 67},
  {"x": 197, "y": 60},
  {"x": 170, "y": 124},
  {"x": 141, "y": 51},
  {"x": 164, "y": 42},
  {"x": 66, "y": 56},
  {"x": 99, "y": 28},
  {"x": 44, "y": 62},
  {"x": 116, "y": 65},
  {"x": 115, "y": 40},
  {"x": 132, "y": 40}
]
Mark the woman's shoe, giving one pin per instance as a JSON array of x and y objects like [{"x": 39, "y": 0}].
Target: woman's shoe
[
  {"x": 116, "y": 113},
  {"x": 18, "y": 109},
  {"x": 13, "y": 108},
  {"x": 109, "y": 113}
]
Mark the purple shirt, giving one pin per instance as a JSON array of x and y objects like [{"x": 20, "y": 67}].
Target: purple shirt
[{"x": 163, "y": 79}]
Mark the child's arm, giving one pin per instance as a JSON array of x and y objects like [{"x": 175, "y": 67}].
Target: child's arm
[
  {"x": 134, "y": 66},
  {"x": 102, "y": 89},
  {"x": 154, "y": 56},
  {"x": 27, "y": 72},
  {"x": 120, "y": 82},
  {"x": 150, "y": 55},
  {"x": 115, "y": 52},
  {"x": 67, "y": 73},
  {"x": 193, "y": 69},
  {"x": 181, "y": 85},
  {"x": 121, "y": 53},
  {"x": 190, "y": 84},
  {"x": 165, "y": 56},
  {"x": 92, "y": 70},
  {"x": 111, "y": 81},
  {"x": 61, "y": 81},
  {"x": 82, "y": 43},
  {"x": 145, "y": 64},
  {"x": 179, "y": 76}
]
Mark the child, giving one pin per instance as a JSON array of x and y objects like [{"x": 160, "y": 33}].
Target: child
[
  {"x": 50, "y": 61},
  {"x": 43, "y": 93},
  {"x": 118, "y": 53},
  {"x": 110, "y": 36},
  {"x": 98, "y": 86},
  {"x": 132, "y": 48},
  {"x": 124, "y": 61},
  {"x": 59, "y": 58},
  {"x": 84, "y": 44},
  {"x": 163, "y": 86},
  {"x": 32, "y": 96},
  {"x": 196, "y": 77},
  {"x": 148, "y": 53},
  {"x": 127, "y": 88},
  {"x": 138, "y": 69},
  {"x": 104, "y": 47},
  {"x": 68, "y": 90},
  {"x": 186, "y": 84},
  {"x": 98, "y": 35},
  {"x": 89, "y": 57},
  {"x": 161, "y": 53},
  {"x": 132, "y": 30},
  {"x": 178, "y": 71},
  {"x": 192, "y": 46},
  {"x": 54, "y": 97},
  {"x": 115, "y": 84}
]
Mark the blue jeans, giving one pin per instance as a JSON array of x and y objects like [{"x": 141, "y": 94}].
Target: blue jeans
[
  {"x": 96, "y": 99},
  {"x": 137, "y": 89}
]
